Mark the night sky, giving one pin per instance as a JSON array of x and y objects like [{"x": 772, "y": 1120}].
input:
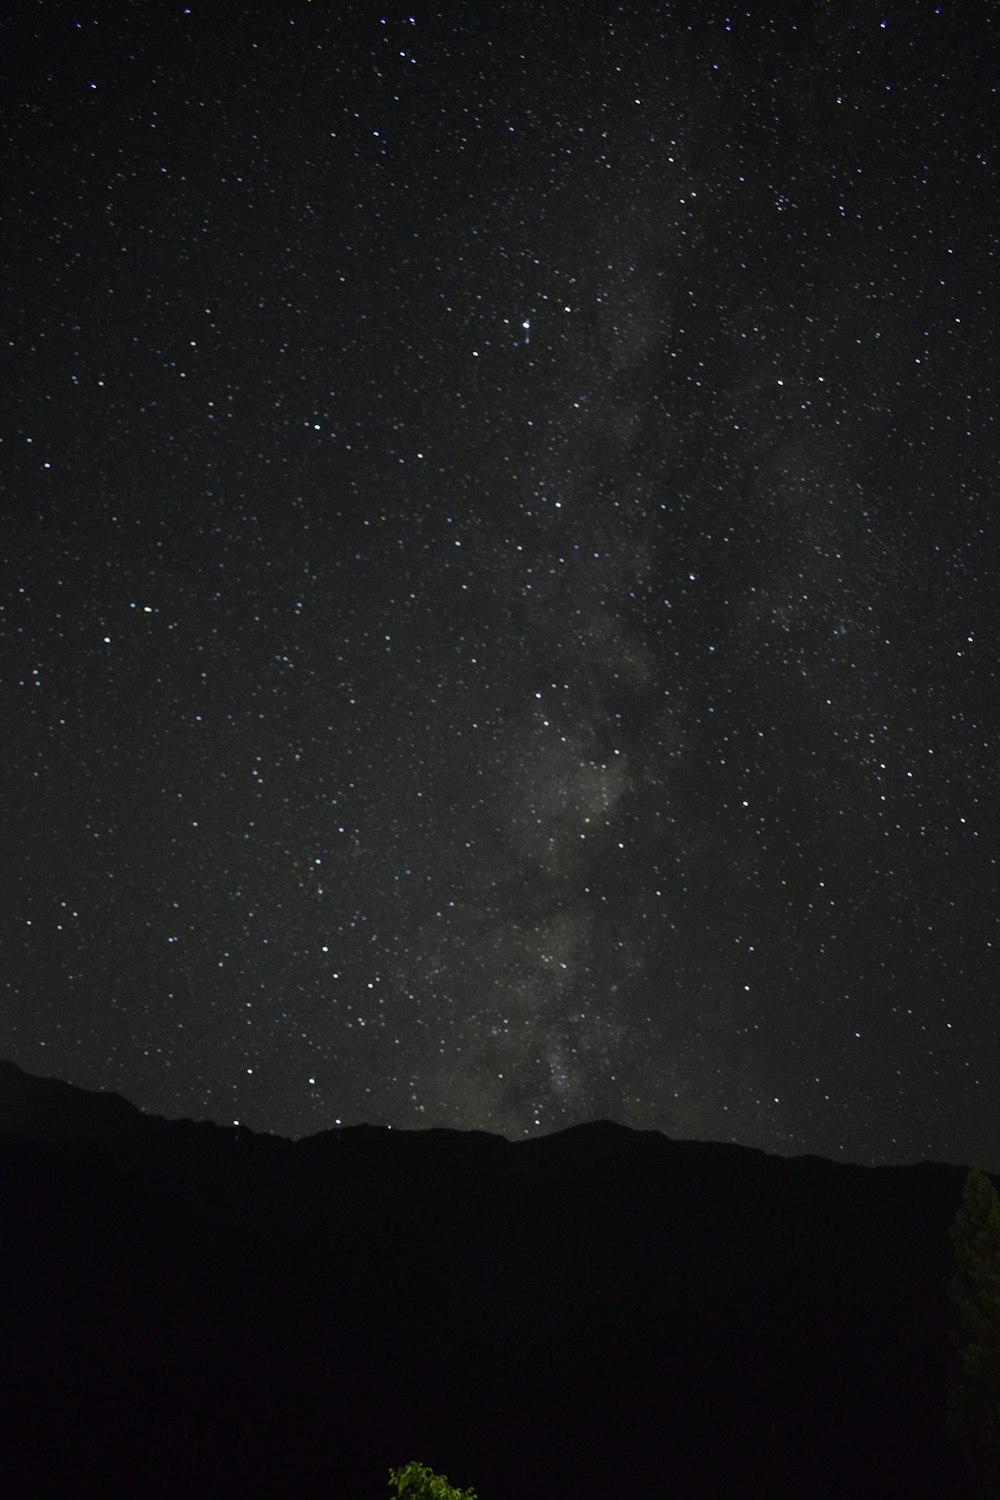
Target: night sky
[{"x": 500, "y": 567}]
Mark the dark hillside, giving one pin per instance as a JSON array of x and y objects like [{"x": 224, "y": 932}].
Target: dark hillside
[{"x": 193, "y": 1311}]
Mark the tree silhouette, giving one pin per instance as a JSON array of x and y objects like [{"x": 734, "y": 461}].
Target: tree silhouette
[{"x": 974, "y": 1397}]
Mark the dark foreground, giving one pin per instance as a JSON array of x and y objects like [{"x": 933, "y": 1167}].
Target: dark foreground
[{"x": 187, "y": 1311}]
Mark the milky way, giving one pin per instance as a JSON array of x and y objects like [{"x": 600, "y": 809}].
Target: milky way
[{"x": 500, "y": 607}]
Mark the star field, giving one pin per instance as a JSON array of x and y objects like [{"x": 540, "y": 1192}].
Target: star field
[{"x": 500, "y": 554}]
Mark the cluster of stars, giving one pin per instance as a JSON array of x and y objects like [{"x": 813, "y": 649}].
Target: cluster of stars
[{"x": 502, "y": 611}]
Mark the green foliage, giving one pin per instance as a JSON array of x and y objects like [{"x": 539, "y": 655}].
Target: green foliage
[
  {"x": 974, "y": 1398},
  {"x": 417, "y": 1482}
]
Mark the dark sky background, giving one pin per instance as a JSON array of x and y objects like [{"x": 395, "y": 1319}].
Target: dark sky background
[{"x": 500, "y": 598}]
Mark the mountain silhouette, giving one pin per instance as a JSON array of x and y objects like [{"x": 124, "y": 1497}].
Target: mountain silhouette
[
  {"x": 190, "y": 1310},
  {"x": 46, "y": 1109}
]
